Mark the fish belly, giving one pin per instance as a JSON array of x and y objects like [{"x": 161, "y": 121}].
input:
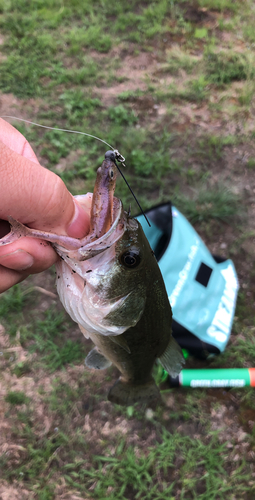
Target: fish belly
[{"x": 135, "y": 385}]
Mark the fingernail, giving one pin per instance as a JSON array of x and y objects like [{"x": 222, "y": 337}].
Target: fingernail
[
  {"x": 79, "y": 225},
  {"x": 18, "y": 260}
]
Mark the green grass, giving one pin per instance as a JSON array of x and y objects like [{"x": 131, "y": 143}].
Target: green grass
[
  {"x": 48, "y": 338},
  {"x": 38, "y": 41},
  {"x": 251, "y": 163},
  {"x": 121, "y": 116},
  {"x": 178, "y": 59},
  {"x": 77, "y": 105},
  {"x": 220, "y": 5},
  {"x": 16, "y": 398},
  {"x": 202, "y": 468},
  {"x": 207, "y": 204},
  {"x": 201, "y": 462},
  {"x": 226, "y": 67},
  {"x": 139, "y": 476},
  {"x": 91, "y": 37},
  {"x": 242, "y": 352},
  {"x": 21, "y": 368},
  {"x": 12, "y": 301},
  {"x": 196, "y": 90}
]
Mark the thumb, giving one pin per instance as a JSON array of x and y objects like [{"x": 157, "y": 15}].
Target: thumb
[{"x": 37, "y": 197}]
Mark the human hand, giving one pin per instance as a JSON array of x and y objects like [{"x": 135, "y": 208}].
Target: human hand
[{"x": 39, "y": 199}]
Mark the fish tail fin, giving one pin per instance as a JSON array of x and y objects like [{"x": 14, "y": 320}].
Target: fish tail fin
[
  {"x": 126, "y": 393},
  {"x": 172, "y": 358}
]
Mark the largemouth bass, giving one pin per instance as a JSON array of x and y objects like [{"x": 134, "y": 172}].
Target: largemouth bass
[{"x": 110, "y": 284}]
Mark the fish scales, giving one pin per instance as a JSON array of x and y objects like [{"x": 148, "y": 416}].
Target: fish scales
[{"x": 111, "y": 285}]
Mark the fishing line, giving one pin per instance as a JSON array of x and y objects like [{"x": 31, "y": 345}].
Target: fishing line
[
  {"x": 133, "y": 194},
  {"x": 60, "y": 130},
  {"x": 119, "y": 157}
]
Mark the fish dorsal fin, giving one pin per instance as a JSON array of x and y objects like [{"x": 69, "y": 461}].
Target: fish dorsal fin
[
  {"x": 172, "y": 358},
  {"x": 96, "y": 360},
  {"x": 120, "y": 341}
]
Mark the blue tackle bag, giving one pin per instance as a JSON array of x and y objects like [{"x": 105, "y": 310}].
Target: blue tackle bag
[{"x": 202, "y": 288}]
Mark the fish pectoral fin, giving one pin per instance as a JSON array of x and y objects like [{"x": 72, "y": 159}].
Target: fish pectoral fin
[
  {"x": 96, "y": 360},
  {"x": 85, "y": 332},
  {"x": 172, "y": 358},
  {"x": 120, "y": 341}
]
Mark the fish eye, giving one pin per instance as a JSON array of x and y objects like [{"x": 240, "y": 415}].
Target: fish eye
[
  {"x": 111, "y": 173},
  {"x": 130, "y": 259}
]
